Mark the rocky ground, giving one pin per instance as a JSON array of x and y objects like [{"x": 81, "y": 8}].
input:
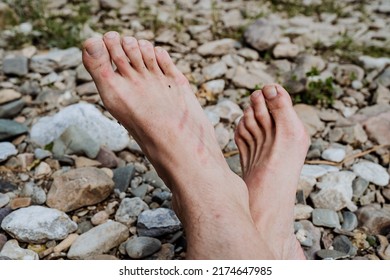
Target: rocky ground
[{"x": 74, "y": 185}]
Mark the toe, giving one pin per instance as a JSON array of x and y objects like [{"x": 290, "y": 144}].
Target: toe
[
  {"x": 96, "y": 59},
  {"x": 252, "y": 125},
  {"x": 277, "y": 98},
  {"x": 117, "y": 54},
  {"x": 149, "y": 56},
  {"x": 131, "y": 48},
  {"x": 242, "y": 145},
  {"x": 165, "y": 62},
  {"x": 244, "y": 132},
  {"x": 261, "y": 112}
]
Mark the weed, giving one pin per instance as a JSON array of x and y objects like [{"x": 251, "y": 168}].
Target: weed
[
  {"x": 318, "y": 92},
  {"x": 297, "y": 7}
]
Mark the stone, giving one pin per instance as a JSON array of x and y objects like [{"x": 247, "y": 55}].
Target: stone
[
  {"x": 310, "y": 236},
  {"x": 262, "y": 34},
  {"x": 42, "y": 170},
  {"x": 12, "y": 108},
  {"x": 38, "y": 196},
  {"x": 20, "y": 202},
  {"x": 107, "y": 158},
  {"x": 75, "y": 140},
  {"x": 140, "y": 191},
  {"x": 7, "y": 95},
  {"x": 87, "y": 89},
  {"x": 384, "y": 78},
  {"x": 222, "y": 134},
  {"x": 82, "y": 74},
  {"x": 228, "y": 110},
  {"x": 214, "y": 86},
  {"x": 378, "y": 128},
  {"x": 350, "y": 221},
  {"x": 4, "y": 212},
  {"x": 10, "y": 129},
  {"x": 382, "y": 95},
  {"x": 372, "y": 172},
  {"x": 129, "y": 210},
  {"x": 157, "y": 222},
  {"x": 3, "y": 240},
  {"x": 42, "y": 154},
  {"x": 374, "y": 218},
  {"x": 335, "y": 191},
  {"x": 354, "y": 134},
  {"x": 359, "y": 186},
  {"x": 251, "y": 80},
  {"x": 331, "y": 254},
  {"x": 374, "y": 62},
  {"x": 66, "y": 243},
  {"x": 341, "y": 243},
  {"x": 4, "y": 199},
  {"x": 38, "y": 224},
  {"x": 217, "y": 48},
  {"x": 141, "y": 247},
  {"x": 56, "y": 60},
  {"x": 12, "y": 250},
  {"x": 98, "y": 240},
  {"x": 235, "y": 164},
  {"x": 314, "y": 171},
  {"x": 151, "y": 177},
  {"x": 99, "y": 218},
  {"x": 285, "y": 50},
  {"x": 79, "y": 187},
  {"x": 215, "y": 70},
  {"x": 306, "y": 184},
  {"x": 15, "y": 65},
  {"x": 123, "y": 176},
  {"x": 7, "y": 149},
  {"x": 248, "y": 54},
  {"x": 346, "y": 73},
  {"x": 334, "y": 154},
  {"x": 88, "y": 119},
  {"x": 309, "y": 116},
  {"x": 86, "y": 162},
  {"x": 325, "y": 217},
  {"x": 302, "y": 212}
]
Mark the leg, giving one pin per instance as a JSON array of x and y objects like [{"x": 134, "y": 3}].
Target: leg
[
  {"x": 273, "y": 143},
  {"x": 154, "y": 101}
]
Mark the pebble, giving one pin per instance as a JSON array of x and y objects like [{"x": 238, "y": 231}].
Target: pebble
[
  {"x": 140, "y": 191},
  {"x": 302, "y": 212},
  {"x": 215, "y": 70},
  {"x": 88, "y": 119},
  {"x": 359, "y": 186},
  {"x": 42, "y": 154},
  {"x": 38, "y": 224},
  {"x": 12, "y": 250},
  {"x": 4, "y": 199},
  {"x": 218, "y": 47},
  {"x": 20, "y": 202},
  {"x": 82, "y": 74},
  {"x": 262, "y": 34},
  {"x": 98, "y": 240},
  {"x": 15, "y": 65},
  {"x": 341, "y": 243},
  {"x": 99, "y": 218},
  {"x": 107, "y": 158},
  {"x": 3, "y": 240},
  {"x": 251, "y": 79},
  {"x": 331, "y": 254},
  {"x": 10, "y": 129},
  {"x": 42, "y": 170},
  {"x": 285, "y": 50},
  {"x": 151, "y": 177},
  {"x": 129, "y": 210},
  {"x": 222, "y": 134},
  {"x": 66, "y": 243},
  {"x": 79, "y": 187},
  {"x": 228, "y": 110},
  {"x": 309, "y": 116},
  {"x": 350, "y": 221},
  {"x": 374, "y": 62},
  {"x": 314, "y": 171},
  {"x": 4, "y": 213},
  {"x": 325, "y": 217},
  {"x": 214, "y": 86},
  {"x": 375, "y": 219},
  {"x": 12, "y": 108},
  {"x": 141, "y": 247},
  {"x": 334, "y": 154},
  {"x": 377, "y": 128},
  {"x": 7, "y": 149},
  {"x": 123, "y": 176},
  {"x": 167, "y": 252},
  {"x": 8, "y": 95},
  {"x": 157, "y": 222},
  {"x": 372, "y": 172}
]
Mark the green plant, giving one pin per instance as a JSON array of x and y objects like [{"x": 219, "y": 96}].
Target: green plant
[
  {"x": 318, "y": 92},
  {"x": 297, "y": 7}
]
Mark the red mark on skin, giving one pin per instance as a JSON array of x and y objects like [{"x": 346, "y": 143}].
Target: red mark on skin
[
  {"x": 106, "y": 72},
  {"x": 183, "y": 119}
]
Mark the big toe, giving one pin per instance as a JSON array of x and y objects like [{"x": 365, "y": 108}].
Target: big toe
[{"x": 96, "y": 59}]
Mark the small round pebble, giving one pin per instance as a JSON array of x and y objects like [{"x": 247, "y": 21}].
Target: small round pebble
[{"x": 141, "y": 247}]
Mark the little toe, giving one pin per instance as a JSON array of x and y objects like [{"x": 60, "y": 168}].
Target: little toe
[
  {"x": 242, "y": 145},
  {"x": 131, "y": 48},
  {"x": 261, "y": 112},
  {"x": 149, "y": 57},
  {"x": 96, "y": 59},
  {"x": 117, "y": 54}
]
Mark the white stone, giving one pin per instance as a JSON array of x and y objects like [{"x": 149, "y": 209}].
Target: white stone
[
  {"x": 4, "y": 199},
  {"x": 87, "y": 118},
  {"x": 334, "y": 154},
  {"x": 38, "y": 224},
  {"x": 222, "y": 134},
  {"x": 373, "y": 62},
  {"x": 302, "y": 212},
  {"x": 129, "y": 209},
  {"x": 12, "y": 250},
  {"x": 212, "y": 114},
  {"x": 7, "y": 95},
  {"x": 371, "y": 172},
  {"x": 215, "y": 70},
  {"x": 286, "y": 50},
  {"x": 214, "y": 86},
  {"x": 228, "y": 110},
  {"x": 7, "y": 149},
  {"x": 315, "y": 171},
  {"x": 56, "y": 59},
  {"x": 251, "y": 79},
  {"x": 42, "y": 170},
  {"x": 219, "y": 47}
]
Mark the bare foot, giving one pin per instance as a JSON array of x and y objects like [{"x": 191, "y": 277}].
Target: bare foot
[
  {"x": 155, "y": 103},
  {"x": 273, "y": 144}
]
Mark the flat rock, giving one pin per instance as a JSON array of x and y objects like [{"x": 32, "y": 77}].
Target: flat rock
[
  {"x": 378, "y": 128},
  {"x": 98, "y": 240},
  {"x": 218, "y": 47},
  {"x": 374, "y": 62},
  {"x": 251, "y": 79},
  {"x": 38, "y": 224},
  {"x": 285, "y": 50},
  {"x": 151, "y": 177},
  {"x": 12, "y": 250},
  {"x": 262, "y": 34},
  {"x": 214, "y": 86},
  {"x": 333, "y": 154},
  {"x": 12, "y": 108},
  {"x": 309, "y": 116},
  {"x": 222, "y": 134},
  {"x": 56, "y": 60},
  {"x": 7, "y": 149},
  {"x": 215, "y": 70},
  {"x": 350, "y": 221},
  {"x": 228, "y": 110},
  {"x": 9, "y": 129},
  {"x": 325, "y": 217},
  {"x": 302, "y": 212},
  {"x": 374, "y": 218},
  {"x": 372, "y": 172},
  {"x": 157, "y": 222},
  {"x": 15, "y": 65},
  {"x": 129, "y": 210},
  {"x": 331, "y": 254},
  {"x": 123, "y": 176},
  {"x": 88, "y": 119},
  {"x": 341, "y": 243},
  {"x": 314, "y": 171},
  {"x": 141, "y": 247},
  {"x": 79, "y": 187},
  {"x": 7, "y": 95}
]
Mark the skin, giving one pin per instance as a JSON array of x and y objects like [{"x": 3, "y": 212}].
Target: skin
[{"x": 155, "y": 103}]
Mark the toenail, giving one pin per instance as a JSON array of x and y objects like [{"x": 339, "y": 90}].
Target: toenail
[
  {"x": 129, "y": 40},
  {"x": 256, "y": 94},
  {"x": 270, "y": 92},
  {"x": 142, "y": 42},
  {"x": 110, "y": 35},
  {"x": 95, "y": 49}
]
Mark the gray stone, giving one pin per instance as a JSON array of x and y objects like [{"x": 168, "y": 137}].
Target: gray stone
[
  {"x": 157, "y": 222},
  {"x": 350, "y": 221},
  {"x": 15, "y": 65},
  {"x": 141, "y": 247},
  {"x": 325, "y": 217},
  {"x": 384, "y": 78},
  {"x": 359, "y": 186},
  {"x": 7, "y": 95},
  {"x": 38, "y": 196},
  {"x": 315, "y": 171},
  {"x": 10, "y": 129},
  {"x": 82, "y": 74},
  {"x": 129, "y": 210},
  {"x": 12, "y": 250},
  {"x": 140, "y": 191},
  {"x": 11, "y": 109},
  {"x": 87, "y": 89},
  {"x": 341, "y": 243},
  {"x": 7, "y": 149},
  {"x": 335, "y": 191},
  {"x": 87, "y": 118},
  {"x": 4, "y": 199},
  {"x": 215, "y": 70},
  {"x": 309, "y": 116},
  {"x": 151, "y": 177},
  {"x": 310, "y": 235},
  {"x": 285, "y": 50},
  {"x": 331, "y": 254},
  {"x": 123, "y": 176},
  {"x": 382, "y": 95},
  {"x": 98, "y": 240},
  {"x": 55, "y": 60},
  {"x": 371, "y": 172},
  {"x": 219, "y": 47},
  {"x": 334, "y": 154},
  {"x": 234, "y": 164},
  {"x": 262, "y": 34},
  {"x": 374, "y": 218},
  {"x": 251, "y": 79},
  {"x": 4, "y": 212},
  {"x": 38, "y": 224},
  {"x": 42, "y": 154}
]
